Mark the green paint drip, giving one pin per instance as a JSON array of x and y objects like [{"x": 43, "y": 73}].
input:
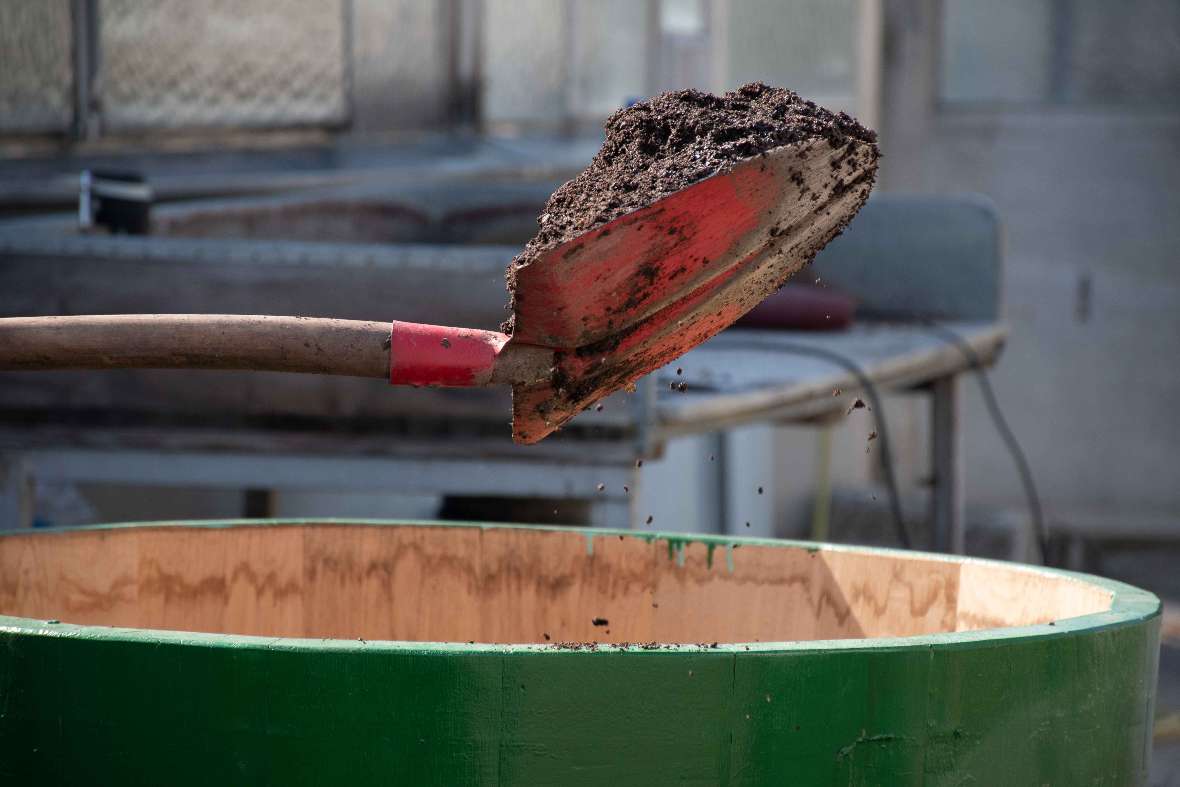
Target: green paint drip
[
  {"x": 729, "y": 557},
  {"x": 709, "y": 555},
  {"x": 676, "y": 545},
  {"x": 590, "y": 544},
  {"x": 676, "y": 550}
]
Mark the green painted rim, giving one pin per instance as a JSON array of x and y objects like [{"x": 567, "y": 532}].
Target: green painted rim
[{"x": 1129, "y": 605}]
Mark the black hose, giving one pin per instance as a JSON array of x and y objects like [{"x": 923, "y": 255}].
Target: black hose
[
  {"x": 1006, "y": 434},
  {"x": 903, "y": 534}
]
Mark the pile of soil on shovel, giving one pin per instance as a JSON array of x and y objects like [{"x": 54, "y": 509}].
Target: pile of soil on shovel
[{"x": 658, "y": 147}]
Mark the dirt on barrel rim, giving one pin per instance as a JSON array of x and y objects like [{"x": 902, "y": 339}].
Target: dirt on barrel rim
[
  {"x": 649, "y": 645},
  {"x": 658, "y": 147}
]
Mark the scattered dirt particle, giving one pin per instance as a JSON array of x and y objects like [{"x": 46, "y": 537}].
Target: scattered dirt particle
[
  {"x": 858, "y": 405},
  {"x": 446, "y": 343},
  {"x": 682, "y": 387},
  {"x": 545, "y": 634},
  {"x": 747, "y": 524},
  {"x": 601, "y": 487},
  {"x": 679, "y": 370},
  {"x": 759, "y": 490},
  {"x": 600, "y": 622},
  {"x": 650, "y": 519},
  {"x": 639, "y": 463},
  {"x": 837, "y": 391},
  {"x": 626, "y": 489},
  {"x": 598, "y": 408}
]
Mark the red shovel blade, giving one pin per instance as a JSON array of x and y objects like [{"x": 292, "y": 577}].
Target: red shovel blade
[{"x": 634, "y": 294}]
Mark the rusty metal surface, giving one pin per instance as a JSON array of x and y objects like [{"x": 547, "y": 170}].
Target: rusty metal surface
[{"x": 636, "y": 293}]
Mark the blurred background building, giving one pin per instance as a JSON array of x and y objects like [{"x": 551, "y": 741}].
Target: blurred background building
[{"x": 1065, "y": 113}]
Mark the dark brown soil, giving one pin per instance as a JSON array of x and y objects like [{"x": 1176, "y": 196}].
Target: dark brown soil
[
  {"x": 658, "y": 147},
  {"x": 858, "y": 405},
  {"x": 594, "y": 645}
]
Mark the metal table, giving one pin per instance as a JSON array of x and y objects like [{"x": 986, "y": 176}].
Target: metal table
[
  {"x": 901, "y": 257},
  {"x": 738, "y": 378},
  {"x": 746, "y": 377}
]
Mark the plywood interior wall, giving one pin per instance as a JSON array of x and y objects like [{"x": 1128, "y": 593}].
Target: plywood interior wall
[{"x": 440, "y": 583}]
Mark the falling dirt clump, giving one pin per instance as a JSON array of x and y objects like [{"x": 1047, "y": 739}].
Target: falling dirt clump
[
  {"x": 857, "y": 405},
  {"x": 660, "y": 146}
]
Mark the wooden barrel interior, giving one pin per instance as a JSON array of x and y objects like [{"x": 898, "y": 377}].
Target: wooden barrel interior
[{"x": 509, "y": 585}]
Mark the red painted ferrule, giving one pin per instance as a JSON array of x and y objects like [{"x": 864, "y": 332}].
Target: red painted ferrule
[{"x": 441, "y": 356}]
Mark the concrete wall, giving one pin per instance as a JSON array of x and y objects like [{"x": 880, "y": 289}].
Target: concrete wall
[
  {"x": 1093, "y": 297},
  {"x": 401, "y": 66},
  {"x": 1089, "y": 200}
]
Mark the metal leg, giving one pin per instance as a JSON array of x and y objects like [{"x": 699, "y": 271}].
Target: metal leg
[
  {"x": 258, "y": 503},
  {"x": 611, "y": 512},
  {"x": 1075, "y": 554},
  {"x": 821, "y": 511},
  {"x": 946, "y": 461},
  {"x": 16, "y": 494}
]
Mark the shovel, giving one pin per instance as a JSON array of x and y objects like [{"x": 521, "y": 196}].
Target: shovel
[{"x": 592, "y": 315}]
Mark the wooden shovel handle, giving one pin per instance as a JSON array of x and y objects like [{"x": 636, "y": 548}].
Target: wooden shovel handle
[{"x": 196, "y": 341}]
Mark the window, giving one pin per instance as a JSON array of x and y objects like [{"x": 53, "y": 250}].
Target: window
[{"x": 1062, "y": 52}]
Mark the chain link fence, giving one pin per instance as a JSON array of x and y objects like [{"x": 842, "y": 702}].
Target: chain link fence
[
  {"x": 233, "y": 63},
  {"x": 36, "y": 66},
  {"x": 167, "y": 64}
]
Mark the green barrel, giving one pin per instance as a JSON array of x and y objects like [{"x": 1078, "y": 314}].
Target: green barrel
[{"x": 362, "y": 652}]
